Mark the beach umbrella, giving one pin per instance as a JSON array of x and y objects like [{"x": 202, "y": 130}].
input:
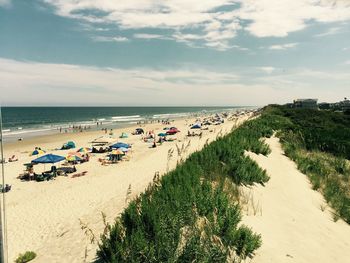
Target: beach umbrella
[
  {"x": 196, "y": 126},
  {"x": 117, "y": 152},
  {"x": 120, "y": 144},
  {"x": 123, "y": 149},
  {"x": 49, "y": 158},
  {"x": 162, "y": 134},
  {"x": 37, "y": 151},
  {"x": 75, "y": 153},
  {"x": 73, "y": 158},
  {"x": 84, "y": 150}
]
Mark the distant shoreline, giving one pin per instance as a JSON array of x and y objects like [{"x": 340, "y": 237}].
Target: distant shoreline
[{"x": 12, "y": 134}]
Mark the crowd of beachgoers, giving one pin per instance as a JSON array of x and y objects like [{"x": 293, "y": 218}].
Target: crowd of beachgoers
[{"x": 109, "y": 148}]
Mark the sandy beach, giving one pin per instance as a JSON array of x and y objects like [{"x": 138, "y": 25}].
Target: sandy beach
[
  {"x": 295, "y": 222},
  {"x": 46, "y": 217}
]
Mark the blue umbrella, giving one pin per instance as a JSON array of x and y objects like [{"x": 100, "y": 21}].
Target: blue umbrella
[
  {"x": 49, "y": 158},
  {"x": 196, "y": 126},
  {"x": 120, "y": 145},
  {"x": 123, "y": 149},
  {"x": 162, "y": 134}
]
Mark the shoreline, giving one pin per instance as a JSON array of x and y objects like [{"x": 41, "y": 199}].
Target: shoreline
[
  {"x": 12, "y": 134},
  {"x": 93, "y": 133}
]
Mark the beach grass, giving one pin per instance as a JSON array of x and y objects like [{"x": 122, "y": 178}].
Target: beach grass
[
  {"x": 319, "y": 143},
  {"x": 26, "y": 257},
  {"x": 190, "y": 214}
]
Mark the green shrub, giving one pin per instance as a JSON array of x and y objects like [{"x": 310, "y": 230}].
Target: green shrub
[{"x": 26, "y": 257}]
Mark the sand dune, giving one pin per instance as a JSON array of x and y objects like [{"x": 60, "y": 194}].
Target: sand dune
[{"x": 289, "y": 216}]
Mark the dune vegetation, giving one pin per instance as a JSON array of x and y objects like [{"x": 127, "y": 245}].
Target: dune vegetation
[
  {"x": 26, "y": 257},
  {"x": 319, "y": 143},
  {"x": 192, "y": 213}
]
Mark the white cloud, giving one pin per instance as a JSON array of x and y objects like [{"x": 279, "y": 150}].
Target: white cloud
[
  {"x": 283, "y": 46},
  {"x": 109, "y": 39},
  {"x": 212, "y": 20},
  {"x": 330, "y": 31},
  {"x": 347, "y": 62},
  {"x": 278, "y": 18},
  {"x": 93, "y": 85},
  {"x": 176, "y": 15},
  {"x": 5, "y": 3},
  {"x": 149, "y": 36},
  {"x": 267, "y": 70},
  {"x": 83, "y": 85}
]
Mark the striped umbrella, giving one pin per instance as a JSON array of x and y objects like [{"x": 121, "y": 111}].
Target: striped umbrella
[
  {"x": 71, "y": 157},
  {"x": 84, "y": 150},
  {"x": 117, "y": 152}
]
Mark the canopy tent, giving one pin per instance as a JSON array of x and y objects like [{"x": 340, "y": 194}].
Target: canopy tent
[
  {"x": 37, "y": 151},
  {"x": 49, "y": 158},
  {"x": 196, "y": 126},
  {"x": 120, "y": 144},
  {"x": 123, "y": 135},
  {"x": 68, "y": 145}
]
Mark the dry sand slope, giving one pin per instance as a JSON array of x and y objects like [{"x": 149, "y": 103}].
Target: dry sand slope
[{"x": 289, "y": 216}]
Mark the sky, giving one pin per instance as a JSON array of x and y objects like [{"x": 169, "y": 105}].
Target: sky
[{"x": 173, "y": 52}]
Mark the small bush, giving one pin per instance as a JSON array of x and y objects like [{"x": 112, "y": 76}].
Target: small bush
[{"x": 26, "y": 257}]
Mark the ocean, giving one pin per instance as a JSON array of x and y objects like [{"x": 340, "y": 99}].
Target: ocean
[{"x": 21, "y": 122}]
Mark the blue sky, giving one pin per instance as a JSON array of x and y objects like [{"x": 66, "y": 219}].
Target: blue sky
[{"x": 173, "y": 52}]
